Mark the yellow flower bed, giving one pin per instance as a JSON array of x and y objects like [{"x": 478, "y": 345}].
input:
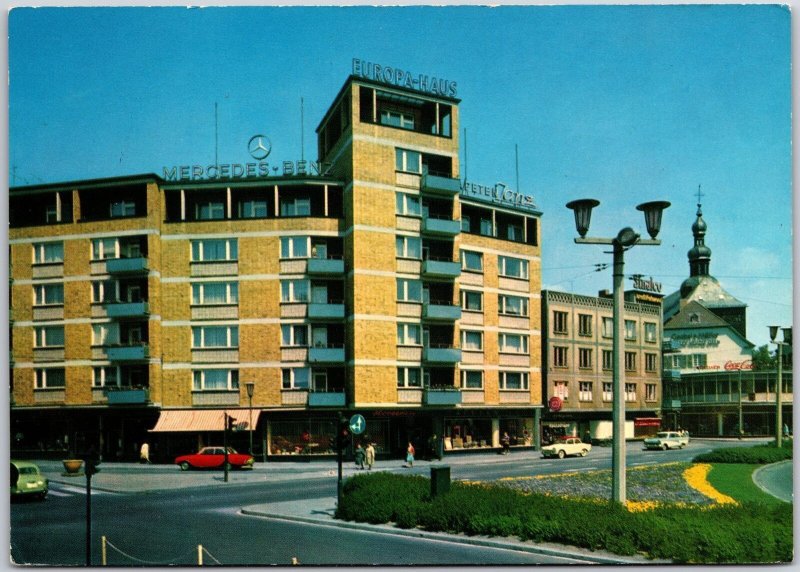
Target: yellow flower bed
[{"x": 696, "y": 477}]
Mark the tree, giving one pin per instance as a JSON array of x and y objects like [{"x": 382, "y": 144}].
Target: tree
[{"x": 763, "y": 359}]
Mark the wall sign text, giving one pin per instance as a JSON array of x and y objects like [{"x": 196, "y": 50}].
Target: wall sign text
[
  {"x": 498, "y": 193},
  {"x": 402, "y": 78},
  {"x": 261, "y": 169}
]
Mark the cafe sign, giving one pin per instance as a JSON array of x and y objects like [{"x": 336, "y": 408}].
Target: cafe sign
[{"x": 499, "y": 193}]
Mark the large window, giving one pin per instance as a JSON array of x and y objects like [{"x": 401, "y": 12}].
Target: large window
[
  {"x": 408, "y": 247},
  {"x": 630, "y": 392},
  {"x": 253, "y": 209},
  {"x": 408, "y": 205},
  {"x": 408, "y": 161},
  {"x": 295, "y": 246},
  {"x": 585, "y": 358},
  {"x": 105, "y": 291},
  {"x": 50, "y": 378},
  {"x": 48, "y": 337},
  {"x": 471, "y": 379},
  {"x": 650, "y": 362},
  {"x": 409, "y": 335},
  {"x": 294, "y": 290},
  {"x": 295, "y": 206},
  {"x": 608, "y": 360},
  {"x": 48, "y": 294},
  {"x": 471, "y": 340},
  {"x": 608, "y": 391},
  {"x": 212, "y": 210},
  {"x": 630, "y": 330},
  {"x": 215, "y": 336},
  {"x": 513, "y": 343},
  {"x": 215, "y": 380},
  {"x": 630, "y": 361},
  {"x": 512, "y": 305},
  {"x": 650, "y": 392},
  {"x": 471, "y": 261},
  {"x": 105, "y": 334},
  {"x": 513, "y": 380},
  {"x": 409, "y": 290},
  {"x": 560, "y": 356},
  {"x": 106, "y": 376},
  {"x": 512, "y": 267},
  {"x": 471, "y": 301},
  {"x": 585, "y": 391},
  {"x": 560, "y": 321},
  {"x": 397, "y": 119},
  {"x": 685, "y": 361},
  {"x": 294, "y": 335},
  {"x": 215, "y": 293},
  {"x": 584, "y": 324},
  {"x": 561, "y": 390},
  {"x": 48, "y": 252},
  {"x": 104, "y": 248},
  {"x": 214, "y": 250},
  {"x": 650, "y": 332},
  {"x": 122, "y": 209},
  {"x": 295, "y": 378},
  {"x": 409, "y": 377}
]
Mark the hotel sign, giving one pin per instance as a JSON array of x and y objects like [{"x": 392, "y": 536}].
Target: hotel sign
[
  {"x": 499, "y": 193},
  {"x": 402, "y": 78}
]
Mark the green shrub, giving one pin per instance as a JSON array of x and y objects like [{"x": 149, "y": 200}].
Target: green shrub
[{"x": 758, "y": 455}]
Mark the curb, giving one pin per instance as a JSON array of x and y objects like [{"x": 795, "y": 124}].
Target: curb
[
  {"x": 765, "y": 489},
  {"x": 456, "y": 539}
]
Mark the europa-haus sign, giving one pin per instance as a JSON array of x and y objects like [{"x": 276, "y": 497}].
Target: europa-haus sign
[{"x": 402, "y": 78}]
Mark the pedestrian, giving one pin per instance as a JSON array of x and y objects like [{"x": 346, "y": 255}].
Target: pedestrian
[
  {"x": 370, "y": 454},
  {"x": 410, "y": 455},
  {"x": 785, "y": 430},
  {"x": 144, "y": 453},
  {"x": 433, "y": 445},
  {"x": 505, "y": 441},
  {"x": 359, "y": 456},
  {"x": 587, "y": 437}
]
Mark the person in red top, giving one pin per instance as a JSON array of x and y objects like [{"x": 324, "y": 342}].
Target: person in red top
[{"x": 410, "y": 455}]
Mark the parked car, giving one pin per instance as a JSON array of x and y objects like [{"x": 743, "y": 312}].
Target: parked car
[
  {"x": 567, "y": 446},
  {"x": 667, "y": 440},
  {"x": 214, "y": 458},
  {"x": 27, "y": 481}
]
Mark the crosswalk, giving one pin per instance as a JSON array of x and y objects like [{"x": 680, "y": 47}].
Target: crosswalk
[{"x": 61, "y": 490}]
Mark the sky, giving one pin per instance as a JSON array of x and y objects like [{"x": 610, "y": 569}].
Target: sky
[{"x": 624, "y": 104}]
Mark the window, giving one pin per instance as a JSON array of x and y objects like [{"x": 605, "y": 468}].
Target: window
[
  {"x": 630, "y": 330},
  {"x": 407, "y": 161},
  {"x": 215, "y": 337},
  {"x": 408, "y": 205},
  {"x": 122, "y": 208},
  {"x": 649, "y": 332},
  {"x": 513, "y": 380},
  {"x": 585, "y": 391},
  {"x": 107, "y": 376},
  {"x": 210, "y": 211},
  {"x": 409, "y": 377},
  {"x": 294, "y": 335},
  {"x": 608, "y": 391},
  {"x": 560, "y": 356},
  {"x": 472, "y": 379},
  {"x": 48, "y": 294},
  {"x": 585, "y": 358},
  {"x": 295, "y": 378},
  {"x": 295, "y": 246},
  {"x": 105, "y": 291},
  {"x": 48, "y": 337},
  {"x": 515, "y": 232},
  {"x": 105, "y": 334},
  {"x": 253, "y": 209},
  {"x": 512, "y": 267},
  {"x": 687, "y": 361},
  {"x": 512, "y": 305},
  {"x": 214, "y": 250},
  {"x": 215, "y": 380},
  {"x": 630, "y": 392},
  {"x": 211, "y": 293},
  {"x": 560, "y": 322},
  {"x": 608, "y": 360},
  {"x": 630, "y": 361},
  {"x": 584, "y": 324},
  {"x": 409, "y": 335},
  {"x": 104, "y": 248},
  {"x": 487, "y": 228},
  {"x": 294, "y": 290},
  {"x": 50, "y": 378},
  {"x": 465, "y": 223},
  {"x": 471, "y": 261},
  {"x": 471, "y": 340},
  {"x": 560, "y": 390},
  {"x": 409, "y": 290},
  {"x": 650, "y": 392},
  {"x": 397, "y": 119},
  {"x": 51, "y": 214},
  {"x": 472, "y": 301},
  {"x": 48, "y": 252},
  {"x": 608, "y": 327},
  {"x": 295, "y": 206},
  {"x": 513, "y": 343},
  {"x": 650, "y": 362},
  {"x": 408, "y": 247}
]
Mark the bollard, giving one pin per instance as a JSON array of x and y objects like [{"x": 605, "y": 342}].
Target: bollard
[{"x": 440, "y": 481}]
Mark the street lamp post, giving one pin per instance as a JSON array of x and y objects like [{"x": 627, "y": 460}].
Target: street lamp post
[
  {"x": 625, "y": 239},
  {"x": 787, "y": 340},
  {"x": 250, "y": 387}
]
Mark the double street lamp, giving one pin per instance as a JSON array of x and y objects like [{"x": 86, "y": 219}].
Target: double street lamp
[
  {"x": 787, "y": 341},
  {"x": 626, "y": 238}
]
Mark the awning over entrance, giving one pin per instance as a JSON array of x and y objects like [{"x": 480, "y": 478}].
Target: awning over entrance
[{"x": 197, "y": 420}]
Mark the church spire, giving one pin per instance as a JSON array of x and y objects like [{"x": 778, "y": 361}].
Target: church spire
[{"x": 699, "y": 254}]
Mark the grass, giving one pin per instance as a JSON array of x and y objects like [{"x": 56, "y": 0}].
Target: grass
[{"x": 736, "y": 480}]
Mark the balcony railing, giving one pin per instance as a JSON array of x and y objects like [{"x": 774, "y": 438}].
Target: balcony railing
[
  {"x": 441, "y": 226},
  {"x": 127, "y": 353},
  {"x": 332, "y": 309},
  {"x": 442, "y": 396},
  {"x": 441, "y": 185},
  {"x": 325, "y": 266},
  {"x": 432, "y": 268},
  {"x": 126, "y": 265},
  {"x": 326, "y": 398},
  {"x": 442, "y": 354},
  {"x": 127, "y": 310},
  {"x": 326, "y": 354},
  {"x": 127, "y": 396},
  {"x": 441, "y": 310}
]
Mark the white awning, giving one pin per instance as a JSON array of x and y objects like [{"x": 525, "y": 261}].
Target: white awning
[{"x": 197, "y": 420}]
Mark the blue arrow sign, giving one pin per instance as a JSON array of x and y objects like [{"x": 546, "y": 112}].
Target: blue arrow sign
[{"x": 357, "y": 424}]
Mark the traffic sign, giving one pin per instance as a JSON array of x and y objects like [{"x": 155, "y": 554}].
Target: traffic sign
[{"x": 357, "y": 424}]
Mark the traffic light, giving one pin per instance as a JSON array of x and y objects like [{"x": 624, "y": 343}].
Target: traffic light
[
  {"x": 343, "y": 433},
  {"x": 231, "y": 423}
]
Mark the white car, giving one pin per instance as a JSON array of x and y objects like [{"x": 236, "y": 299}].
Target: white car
[
  {"x": 567, "y": 446},
  {"x": 667, "y": 440}
]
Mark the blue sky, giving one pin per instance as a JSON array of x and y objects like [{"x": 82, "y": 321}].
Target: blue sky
[{"x": 620, "y": 103}]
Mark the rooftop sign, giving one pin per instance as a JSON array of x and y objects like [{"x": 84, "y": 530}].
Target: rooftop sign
[
  {"x": 247, "y": 170},
  {"x": 402, "y": 78},
  {"x": 499, "y": 193}
]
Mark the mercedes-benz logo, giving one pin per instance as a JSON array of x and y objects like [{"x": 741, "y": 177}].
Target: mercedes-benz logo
[{"x": 259, "y": 147}]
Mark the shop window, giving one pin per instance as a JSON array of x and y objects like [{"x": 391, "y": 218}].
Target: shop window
[
  {"x": 472, "y": 380},
  {"x": 560, "y": 321},
  {"x": 215, "y": 380},
  {"x": 560, "y": 356},
  {"x": 48, "y": 252},
  {"x": 50, "y": 378},
  {"x": 585, "y": 391}
]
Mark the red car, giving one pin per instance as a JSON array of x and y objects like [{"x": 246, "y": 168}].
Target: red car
[{"x": 213, "y": 458}]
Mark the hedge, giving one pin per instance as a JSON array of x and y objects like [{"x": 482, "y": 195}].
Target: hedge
[
  {"x": 682, "y": 534},
  {"x": 757, "y": 455}
]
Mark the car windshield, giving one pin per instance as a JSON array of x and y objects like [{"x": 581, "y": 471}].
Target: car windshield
[
  {"x": 28, "y": 471},
  {"x": 663, "y": 434}
]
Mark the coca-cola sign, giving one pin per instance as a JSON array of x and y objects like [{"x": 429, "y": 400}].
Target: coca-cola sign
[
  {"x": 738, "y": 365},
  {"x": 555, "y": 403}
]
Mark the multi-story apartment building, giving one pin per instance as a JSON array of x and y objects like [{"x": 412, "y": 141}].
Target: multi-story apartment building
[
  {"x": 371, "y": 281},
  {"x": 578, "y": 363}
]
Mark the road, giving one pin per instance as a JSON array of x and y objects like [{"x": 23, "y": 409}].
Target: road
[{"x": 165, "y": 525}]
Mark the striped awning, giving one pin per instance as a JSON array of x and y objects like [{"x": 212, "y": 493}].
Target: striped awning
[{"x": 196, "y": 420}]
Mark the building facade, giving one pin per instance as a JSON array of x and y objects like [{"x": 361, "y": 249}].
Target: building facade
[
  {"x": 578, "y": 365},
  {"x": 373, "y": 281}
]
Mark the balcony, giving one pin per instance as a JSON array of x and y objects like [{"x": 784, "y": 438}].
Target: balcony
[
  {"x": 128, "y": 396},
  {"x": 326, "y": 354},
  {"x": 441, "y": 226},
  {"x": 128, "y": 353},
  {"x": 442, "y": 396},
  {"x": 326, "y": 399},
  {"x": 440, "y": 185},
  {"x": 441, "y": 311},
  {"x": 325, "y": 266},
  {"x": 440, "y": 268},
  {"x": 126, "y": 265},
  {"x": 325, "y": 311},
  {"x": 127, "y": 310},
  {"x": 442, "y": 355}
]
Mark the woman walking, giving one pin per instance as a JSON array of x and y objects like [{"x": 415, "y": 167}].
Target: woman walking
[
  {"x": 370, "y": 451},
  {"x": 410, "y": 455}
]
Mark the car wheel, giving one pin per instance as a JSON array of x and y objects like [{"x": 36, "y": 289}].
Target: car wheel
[
  {"x": 184, "y": 466},
  {"x": 584, "y": 452},
  {"x": 665, "y": 446},
  {"x": 561, "y": 454}
]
